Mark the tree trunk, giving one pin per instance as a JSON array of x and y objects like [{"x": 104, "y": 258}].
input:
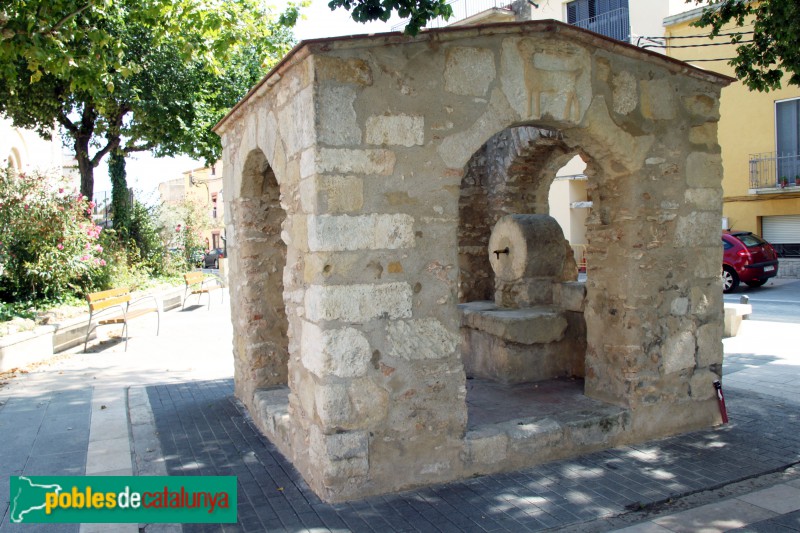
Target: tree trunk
[
  {"x": 120, "y": 204},
  {"x": 85, "y": 166}
]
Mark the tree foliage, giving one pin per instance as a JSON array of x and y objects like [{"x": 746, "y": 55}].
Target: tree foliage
[
  {"x": 418, "y": 12},
  {"x": 774, "y": 49},
  {"x": 133, "y": 75}
]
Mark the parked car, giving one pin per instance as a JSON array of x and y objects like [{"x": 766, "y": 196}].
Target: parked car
[
  {"x": 747, "y": 258},
  {"x": 212, "y": 257},
  {"x": 196, "y": 258}
]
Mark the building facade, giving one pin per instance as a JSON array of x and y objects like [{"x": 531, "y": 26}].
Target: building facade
[
  {"x": 26, "y": 151},
  {"x": 203, "y": 187},
  {"x": 759, "y": 135}
]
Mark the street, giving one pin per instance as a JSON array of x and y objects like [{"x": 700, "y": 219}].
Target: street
[{"x": 777, "y": 301}]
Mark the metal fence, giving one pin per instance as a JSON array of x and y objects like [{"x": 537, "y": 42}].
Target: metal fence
[
  {"x": 101, "y": 214},
  {"x": 462, "y": 9},
  {"x": 768, "y": 170},
  {"x": 615, "y": 24}
]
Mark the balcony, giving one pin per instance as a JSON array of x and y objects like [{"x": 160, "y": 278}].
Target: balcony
[
  {"x": 462, "y": 10},
  {"x": 615, "y": 24},
  {"x": 768, "y": 170}
]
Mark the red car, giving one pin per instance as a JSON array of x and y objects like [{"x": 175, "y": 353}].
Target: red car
[{"x": 747, "y": 258}]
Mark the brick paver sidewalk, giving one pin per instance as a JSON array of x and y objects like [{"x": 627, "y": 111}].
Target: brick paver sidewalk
[{"x": 204, "y": 430}]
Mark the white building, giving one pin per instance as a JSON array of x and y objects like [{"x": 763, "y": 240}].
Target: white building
[{"x": 26, "y": 151}]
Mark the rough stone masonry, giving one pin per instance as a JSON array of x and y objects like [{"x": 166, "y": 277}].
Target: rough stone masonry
[{"x": 350, "y": 200}]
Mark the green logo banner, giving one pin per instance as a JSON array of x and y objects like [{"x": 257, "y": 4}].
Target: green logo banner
[{"x": 123, "y": 499}]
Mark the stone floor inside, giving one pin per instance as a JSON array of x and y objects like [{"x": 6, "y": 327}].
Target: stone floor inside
[{"x": 490, "y": 402}]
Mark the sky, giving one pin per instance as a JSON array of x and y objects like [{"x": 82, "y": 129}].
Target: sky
[{"x": 145, "y": 172}]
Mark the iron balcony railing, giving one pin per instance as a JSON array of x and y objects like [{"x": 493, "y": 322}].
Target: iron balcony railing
[
  {"x": 462, "y": 9},
  {"x": 770, "y": 170},
  {"x": 615, "y": 24}
]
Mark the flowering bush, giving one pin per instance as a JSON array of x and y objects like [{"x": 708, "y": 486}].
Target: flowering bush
[{"x": 49, "y": 246}]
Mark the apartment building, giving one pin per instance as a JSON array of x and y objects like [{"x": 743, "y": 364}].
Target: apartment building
[
  {"x": 759, "y": 135},
  {"x": 202, "y": 186}
]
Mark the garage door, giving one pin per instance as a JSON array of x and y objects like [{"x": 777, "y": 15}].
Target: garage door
[{"x": 784, "y": 233}]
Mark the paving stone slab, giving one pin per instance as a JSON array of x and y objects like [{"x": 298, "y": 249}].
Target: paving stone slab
[
  {"x": 722, "y": 516},
  {"x": 781, "y": 499},
  {"x": 644, "y": 527}
]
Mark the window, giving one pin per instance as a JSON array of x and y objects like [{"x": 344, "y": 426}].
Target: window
[
  {"x": 214, "y": 206},
  {"x": 606, "y": 17},
  {"x": 787, "y": 138}
]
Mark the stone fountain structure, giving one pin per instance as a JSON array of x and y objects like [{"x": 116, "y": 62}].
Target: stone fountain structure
[{"x": 363, "y": 177}]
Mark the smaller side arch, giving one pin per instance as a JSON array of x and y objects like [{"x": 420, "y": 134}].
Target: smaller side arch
[
  {"x": 258, "y": 259},
  {"x": 510, "y": 174}
]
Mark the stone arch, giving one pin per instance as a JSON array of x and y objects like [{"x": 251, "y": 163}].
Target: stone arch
[
  {"x": 259, "y": 257},
  {"x": 532, "y": 153},
  {"x": 510, "y": 174}
]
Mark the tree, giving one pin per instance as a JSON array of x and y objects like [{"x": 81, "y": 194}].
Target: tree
[
  {"x": 773, "y": 50},
  {"x": 158, "y": 90},
  {"x": 418, "y": 12}
]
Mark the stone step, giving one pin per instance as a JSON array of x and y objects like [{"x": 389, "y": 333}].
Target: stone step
[{"x": 523, "y": 442}]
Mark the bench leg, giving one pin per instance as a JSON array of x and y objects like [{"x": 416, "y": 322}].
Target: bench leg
[
  {"x": 88, "y": 332},
  {"x": 125, "y": 334},
  {"x": 158, "y": 326}
]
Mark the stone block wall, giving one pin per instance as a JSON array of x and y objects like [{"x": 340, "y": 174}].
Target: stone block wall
[{"x": 370, "y": 140}]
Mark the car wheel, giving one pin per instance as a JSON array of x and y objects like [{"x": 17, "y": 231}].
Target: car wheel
[
  {"x": 756, "y": 282},
  {"x": 730, "y": 280}
]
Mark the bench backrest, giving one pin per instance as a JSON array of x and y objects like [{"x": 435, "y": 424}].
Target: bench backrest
[
  {"x": 105, "y": 299},
  {"x": 193, "y": 278}
]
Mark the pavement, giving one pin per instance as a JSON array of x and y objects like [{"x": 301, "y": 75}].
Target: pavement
[{"x": 166, "y": 407}]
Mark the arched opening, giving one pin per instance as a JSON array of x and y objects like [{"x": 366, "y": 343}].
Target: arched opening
[
  {"x": 14, "y": 160},
  {"x": 259, "y": 257},
  {"x": 570, "y": 202},
  {"x": 519, "y": 342},
  {"x": 505, "y": 176}
]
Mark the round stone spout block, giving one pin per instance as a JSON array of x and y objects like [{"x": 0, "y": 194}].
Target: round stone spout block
[
  {"x": 535, "y": 245},
  {"x": 532, "y": 325}
]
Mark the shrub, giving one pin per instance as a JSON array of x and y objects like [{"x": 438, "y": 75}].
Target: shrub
[
  {"x": 182, "y": 228},
  {"x": 49, "y": 246}
]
